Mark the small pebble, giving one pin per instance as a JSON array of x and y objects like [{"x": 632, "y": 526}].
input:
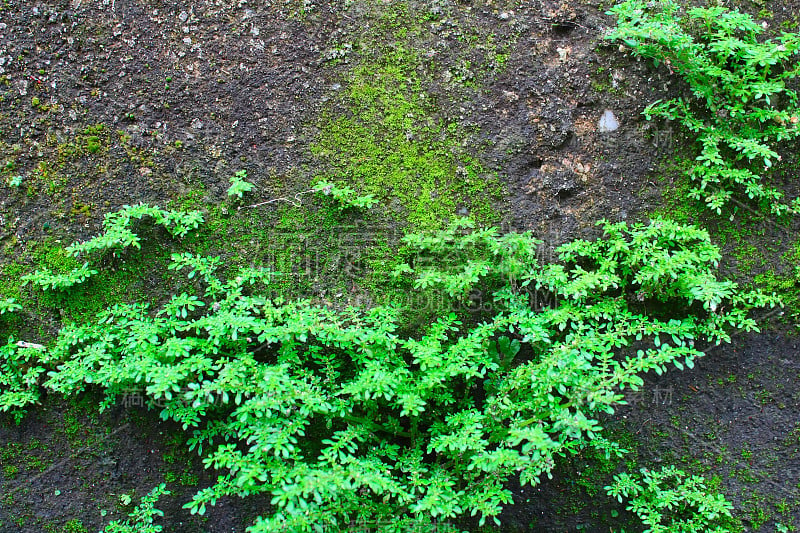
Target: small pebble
[{"x": 608, "y": 122}]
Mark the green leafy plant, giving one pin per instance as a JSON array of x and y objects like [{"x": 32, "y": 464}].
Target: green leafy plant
[
  {"x": 14, "y": 181},
  {"x": 238, "y": 184},
  {"x": 142, "y": 517},
  {"x": 47, "y": 279},
  {"x": 741, "y": 107},
  {"x": 22, "y": 371},
  {"x": 348, "y": 415},
  {"x": 345, "y": 196},
  {"x": 670, "y": 501},
  {"x": 9, "y": 305},
  {"x": 117, "y": 236}
]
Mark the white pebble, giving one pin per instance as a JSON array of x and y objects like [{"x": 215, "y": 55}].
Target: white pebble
[{"x": 608, "y": 122}]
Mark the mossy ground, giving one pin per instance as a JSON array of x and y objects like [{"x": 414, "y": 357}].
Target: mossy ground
[
  {"x": 389, "y": 138},
  {"x": 385, "y": 136}
]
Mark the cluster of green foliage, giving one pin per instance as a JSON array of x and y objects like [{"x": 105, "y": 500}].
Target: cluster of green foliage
[
  {"x": 344, "y": 415},
  {"x": 18, "y": 376},
  {"x": 118, "y": 235},
  {"x": 8, "y": 305},
  {"x": 239, "y": 185},
  {"x": 344, "y": 196},
  {"x": 741, "y": 106},
  {"x": 142, "y": 517},
  {"x": 22, "y": 368},
  {"x": 670, "y": 501}
]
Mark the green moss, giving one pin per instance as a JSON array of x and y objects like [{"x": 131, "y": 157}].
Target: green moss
[
  {"x": 9, "y": 280},
  {"x": 71, "y": 425},
  {"x": 180, "y": 464},
  {"x": 93, "y": 144},
  {"x": 755, "y": 511},
  {"x": 766, "y": 14},
  {"x": 786, "y": 286},
  {"x": 10, "y": 471},
  {"x": 583, "y": 475},
  {"x": 120, "y": 279},
  {"x": 748, "y": 256},
  {"x": 392, "y": 142},
  {"x": 754, "y": 246},
  {"x": 81, "y": 209},
  {"x": 671, "y": 173},
  {"x": 386, "y": 135},
  {"x": 317, "y": 249},
  {"x": 95, "y": 129},
  {"x": 74, "y": 526},
  {"x": 124, "y": 282},
  {"x": 94, "y": 139},
  {"x": 68, "y": 150},
  {"x": 36, "y": 464},
  {"x": 48, "y": 179}
]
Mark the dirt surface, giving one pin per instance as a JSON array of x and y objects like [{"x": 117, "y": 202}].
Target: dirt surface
[
  {"x": 732, "y": 419},
  {"x": 111, "y": 102},
  {"x": 184, "y": 97}
]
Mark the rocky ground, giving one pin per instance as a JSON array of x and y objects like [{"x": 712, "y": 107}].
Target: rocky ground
[{"x": 499, "y": 109}]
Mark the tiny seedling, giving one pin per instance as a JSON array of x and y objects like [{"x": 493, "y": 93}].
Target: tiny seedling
[{"x": 238, "y": 184}]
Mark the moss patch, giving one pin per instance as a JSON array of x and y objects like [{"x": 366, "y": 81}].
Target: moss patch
[{"x": 390, "y": 139}]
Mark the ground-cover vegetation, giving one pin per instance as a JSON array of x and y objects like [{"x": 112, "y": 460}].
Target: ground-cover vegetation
[
  {"x": 117, "y": 236},
  {"x": 141, "y": 519},
  {"x": 670, "y": 501},
  {"x": 346, "y": 415},
  {"x": 741, "y": 105}
]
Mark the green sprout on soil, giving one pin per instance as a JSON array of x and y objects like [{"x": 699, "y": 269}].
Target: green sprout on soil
[
  {"x": 670, "y": 501},
  {"x": 141, "y": 518},
  {"x": 238, "y": 184}
]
